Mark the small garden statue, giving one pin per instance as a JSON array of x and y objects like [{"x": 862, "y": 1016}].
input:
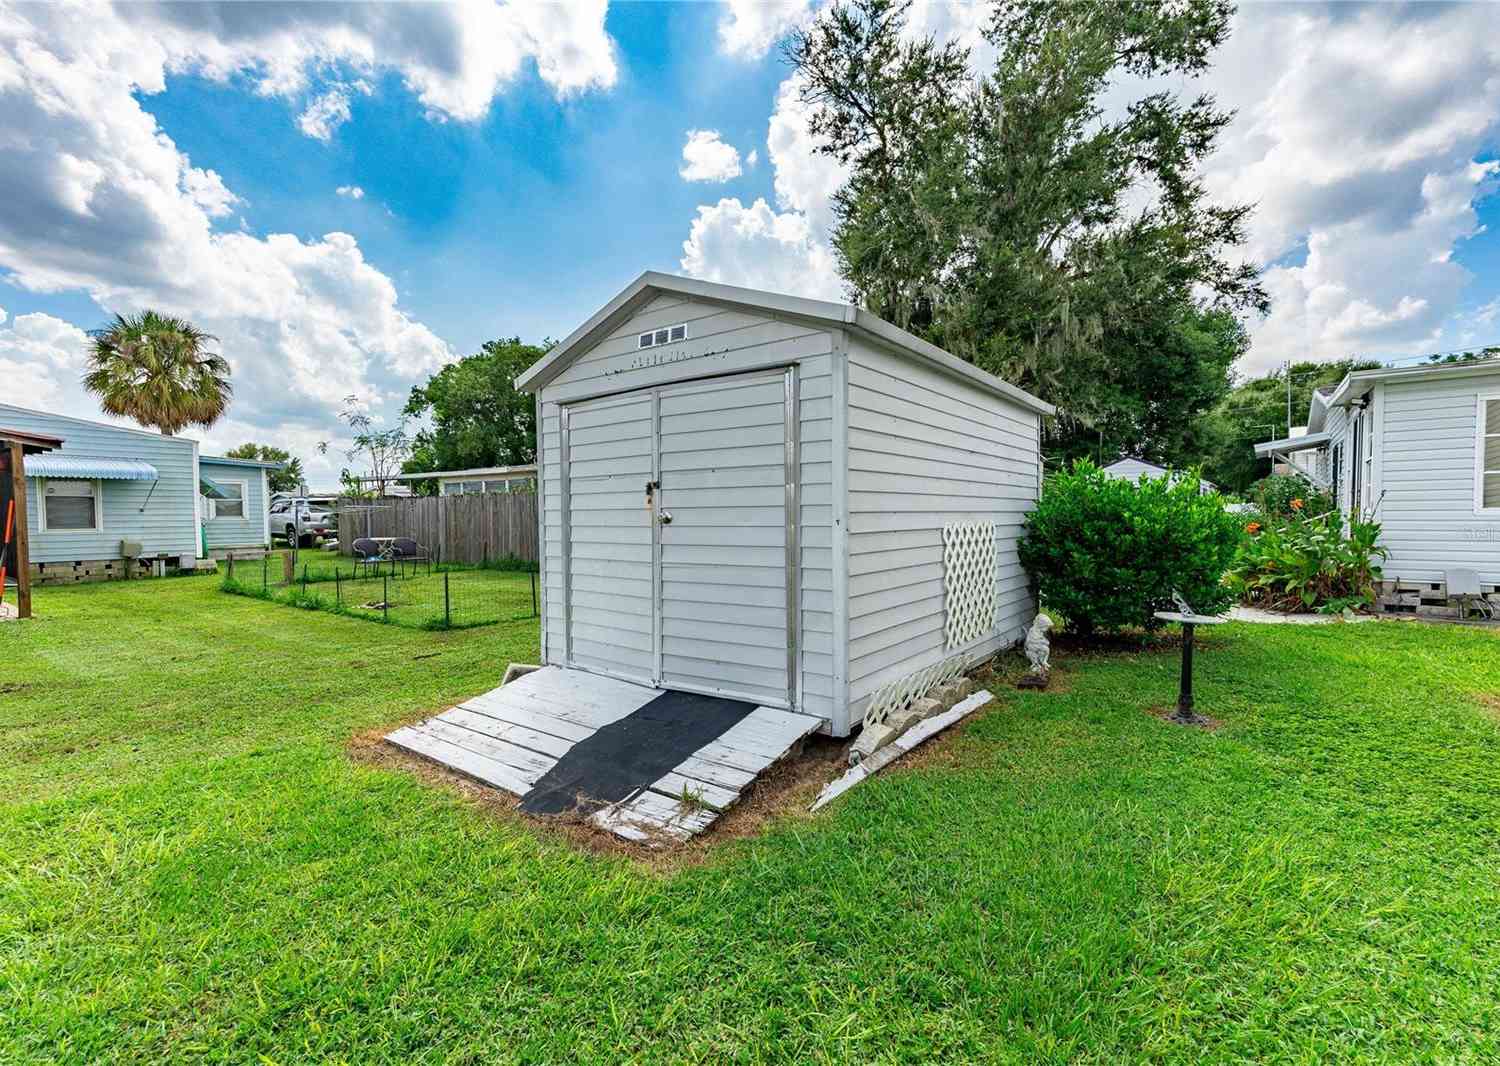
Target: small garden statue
[{"x": 1038, "y": 653}]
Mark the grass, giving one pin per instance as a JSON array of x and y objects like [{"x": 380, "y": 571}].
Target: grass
[
  {"x": 194, "y": 869},
  {"x": 319, "y": 566},
  {"x": 421, "y": 597}
]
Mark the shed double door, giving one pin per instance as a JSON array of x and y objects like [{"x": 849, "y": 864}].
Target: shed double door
[{"x": 681, "y": 536}]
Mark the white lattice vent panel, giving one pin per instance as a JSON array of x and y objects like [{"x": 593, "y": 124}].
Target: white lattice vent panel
[
  {"x": 969, "y": 562},
  {"x": 896, "y": 696}
]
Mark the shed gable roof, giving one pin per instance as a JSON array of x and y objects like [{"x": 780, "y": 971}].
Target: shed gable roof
[{"x": 651, "y": 284}]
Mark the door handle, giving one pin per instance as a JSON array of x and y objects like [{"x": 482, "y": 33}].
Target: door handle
[{"x": 665, "y": 518}]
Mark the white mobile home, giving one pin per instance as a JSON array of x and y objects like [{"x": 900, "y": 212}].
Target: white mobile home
[
  {"x": 1133, "y": 470},
  {"x": 469, "y": 482},
  {"x": 1419, "y": 449},
  {"x": 775, "y": 499}
]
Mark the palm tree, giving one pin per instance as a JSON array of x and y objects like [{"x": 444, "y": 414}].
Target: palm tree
[{"x": 157, "y": 370}]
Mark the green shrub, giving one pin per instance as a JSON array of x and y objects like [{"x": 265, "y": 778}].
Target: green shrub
[
  {"x": 1272, "y": 497},
  {"x": 1308, "y": 561},
  {"x": 1107, "y": 553}
]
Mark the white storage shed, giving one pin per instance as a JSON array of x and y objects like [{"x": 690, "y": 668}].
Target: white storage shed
[{"x": 774, "y": 499}]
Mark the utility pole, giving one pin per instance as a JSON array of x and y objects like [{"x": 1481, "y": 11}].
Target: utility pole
[{"x": 1288, "y": 397}]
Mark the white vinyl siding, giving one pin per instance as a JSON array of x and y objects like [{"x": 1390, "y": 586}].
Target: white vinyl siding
[
  {"x": 719, "y": 341},
  {"x": 724, "y": 554},
  {"x": 609, "y": 537},
  {"x": 926, "y": 450},
  {"x": 890, "y": 450},
  {"x": 1433, "y": 441}
]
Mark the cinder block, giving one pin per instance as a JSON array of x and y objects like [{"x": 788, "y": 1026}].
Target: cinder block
[{"x": 952, "y": 692}]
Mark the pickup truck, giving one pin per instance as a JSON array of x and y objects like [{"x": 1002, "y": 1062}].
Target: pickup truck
[{"x": 306, "y": 518}]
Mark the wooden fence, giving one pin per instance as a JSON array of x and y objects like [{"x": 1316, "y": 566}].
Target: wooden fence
[{"x": 471, "y": 528}]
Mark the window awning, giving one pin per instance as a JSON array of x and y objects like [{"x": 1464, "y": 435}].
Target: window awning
[
  {"x": 210, "y": 488},
  {"x": 1291, "y": 444},
  {"x": 73, "y": 466}
]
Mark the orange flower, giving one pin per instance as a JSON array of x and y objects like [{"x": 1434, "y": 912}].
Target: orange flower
[
  {"x": 1253, "y": 527},
  {"x": 1297, "y": 504}
]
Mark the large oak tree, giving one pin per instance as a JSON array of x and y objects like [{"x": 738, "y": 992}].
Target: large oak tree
[{"x": 1018, "y": 222}]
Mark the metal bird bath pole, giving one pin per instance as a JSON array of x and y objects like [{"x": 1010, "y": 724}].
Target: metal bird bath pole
[{"x": 1189, "y": 621}]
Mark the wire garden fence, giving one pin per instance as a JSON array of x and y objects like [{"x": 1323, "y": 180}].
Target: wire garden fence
[{"x": 421, "y": 595}]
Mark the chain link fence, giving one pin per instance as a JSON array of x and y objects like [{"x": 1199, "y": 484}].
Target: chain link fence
[{"x": 415, "y": 594}]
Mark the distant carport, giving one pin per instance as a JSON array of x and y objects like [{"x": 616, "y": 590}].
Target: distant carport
[{"x": 15, "y": 560}]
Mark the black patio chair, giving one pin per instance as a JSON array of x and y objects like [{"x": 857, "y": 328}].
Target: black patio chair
[
  {"x": 405, "y": 550},
  {"x": 367, "y": 555}
]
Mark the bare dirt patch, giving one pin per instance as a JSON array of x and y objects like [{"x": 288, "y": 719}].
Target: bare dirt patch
[
  {"x": 1166, "y": 711},
  {"x": 1490, "y": 701},
  {"x": 14, "y": 686},
  {"x": 1005, "y": 669}
]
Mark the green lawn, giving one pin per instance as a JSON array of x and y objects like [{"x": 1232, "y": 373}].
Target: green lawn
[
  {"x": 194, "y": 869},
  {"x": 318, "y": 565},
  {"x": 419, "y": 596}
]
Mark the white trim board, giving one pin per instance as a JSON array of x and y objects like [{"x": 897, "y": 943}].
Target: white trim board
[{"x": 923, "y": 730}]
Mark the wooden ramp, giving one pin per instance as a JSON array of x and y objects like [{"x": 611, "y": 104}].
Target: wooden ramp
[{"x": 513, "y": 737}]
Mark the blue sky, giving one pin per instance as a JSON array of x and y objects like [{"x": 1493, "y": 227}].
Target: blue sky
[
  {"x": 536, "y": 214},
  {"x": 519, "y": 164}
]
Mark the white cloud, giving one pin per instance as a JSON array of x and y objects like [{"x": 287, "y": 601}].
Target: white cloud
[
  {"x": 760, "y": 248},
  {"x": 454, "y": 57},
  {"x": 40, "y": 359},
  {"x": 804, "y": 180},
  {"x": 749, "y": 28},
  {"x": 100, "y": 200},
  {"x": 728, "y": 240},
  {"x": 325, "y": 114},
  {"x": 352, "y": 192},
  {"x": 707, "y": 158},
  {"x": 207, "y": 190},
  {"x": 1358, "y": 146}
]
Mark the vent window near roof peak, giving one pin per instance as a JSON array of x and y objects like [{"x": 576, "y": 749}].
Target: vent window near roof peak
[{"x": 662, "y": 336}]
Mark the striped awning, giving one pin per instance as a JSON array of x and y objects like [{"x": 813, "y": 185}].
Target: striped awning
[{"x": 74, "y": 466}]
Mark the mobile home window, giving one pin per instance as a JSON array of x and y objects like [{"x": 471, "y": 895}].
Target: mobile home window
[
  {"x": 1367, "y": 444},
  {"x": 70, "y": 505},
  {"x": 1488, "y": 488},
  {"x": 234, "y": 506}
]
